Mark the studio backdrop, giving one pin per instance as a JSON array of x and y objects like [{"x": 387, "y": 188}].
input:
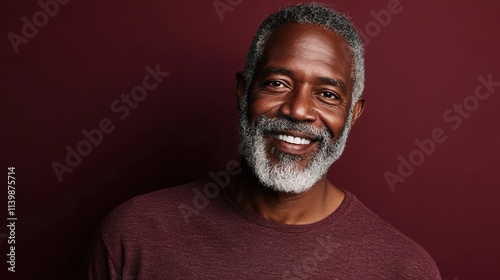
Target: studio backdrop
[{"x": 104, "y": 100}]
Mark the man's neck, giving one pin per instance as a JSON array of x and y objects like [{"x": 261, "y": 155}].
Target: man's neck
[{"x": 321, "y": 200}]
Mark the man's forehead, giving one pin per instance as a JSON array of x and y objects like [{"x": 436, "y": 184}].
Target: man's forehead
[
  {"x": 306, "y": 31},
  {"x": 309, "y": 35}
]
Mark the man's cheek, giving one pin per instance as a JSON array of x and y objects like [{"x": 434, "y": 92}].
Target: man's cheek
[{"x": 264, "y": 106}]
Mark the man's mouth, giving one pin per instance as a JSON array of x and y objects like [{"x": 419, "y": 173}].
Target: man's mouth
[{"x": 292, "y": 140}]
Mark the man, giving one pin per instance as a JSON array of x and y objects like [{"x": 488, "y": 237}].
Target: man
[{"x": 280, "y": 217}]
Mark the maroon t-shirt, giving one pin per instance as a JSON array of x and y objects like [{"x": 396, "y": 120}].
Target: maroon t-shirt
[{"x": 198, "y": 231}]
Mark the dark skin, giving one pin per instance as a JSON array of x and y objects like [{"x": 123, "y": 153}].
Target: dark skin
[{"x": 304, "y": 76}]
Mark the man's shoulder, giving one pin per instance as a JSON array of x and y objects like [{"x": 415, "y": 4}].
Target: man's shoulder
[
  {"x": 371, "y": 225},
  {"x": 149, "y": 210},
  {"x": 157, "y": 199},
  {"x": 379, "y": 238}
]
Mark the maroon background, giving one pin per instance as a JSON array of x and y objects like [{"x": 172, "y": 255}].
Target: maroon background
[{"x": 64, "y": 80}]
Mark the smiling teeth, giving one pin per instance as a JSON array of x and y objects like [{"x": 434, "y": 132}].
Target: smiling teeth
[{"x": 293, "y": 140}]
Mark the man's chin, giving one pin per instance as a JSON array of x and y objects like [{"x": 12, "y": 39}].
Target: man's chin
[
  {"x": 287, "y": 177},
  {"x": 288, "y": 188}
]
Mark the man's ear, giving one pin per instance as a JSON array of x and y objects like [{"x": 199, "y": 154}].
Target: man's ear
[
  {"x": 240, "y": 84},
  {"x": 358, "y": 109}
]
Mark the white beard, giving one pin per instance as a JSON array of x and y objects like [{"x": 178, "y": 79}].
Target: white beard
[{"x": 287, "y": 176}]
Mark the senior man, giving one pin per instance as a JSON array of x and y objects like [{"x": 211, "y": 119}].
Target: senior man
[{"x": 279, "y": 217}]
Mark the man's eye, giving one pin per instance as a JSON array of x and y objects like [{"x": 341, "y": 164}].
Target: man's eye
[
  {"x": 329, "y": 95},
  {"x": 275, "y": 84}
]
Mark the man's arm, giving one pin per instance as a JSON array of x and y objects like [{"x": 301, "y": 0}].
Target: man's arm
[{"x": 99, "y": 262}]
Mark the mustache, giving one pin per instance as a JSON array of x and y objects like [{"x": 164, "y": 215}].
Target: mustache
[{"x": 267, "y": 124}]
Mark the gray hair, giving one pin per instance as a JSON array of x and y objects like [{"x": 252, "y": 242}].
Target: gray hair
[{"x": 312, "y": 13}]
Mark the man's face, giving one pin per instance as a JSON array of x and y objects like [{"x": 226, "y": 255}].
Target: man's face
[{"x": 299, "y": 107}]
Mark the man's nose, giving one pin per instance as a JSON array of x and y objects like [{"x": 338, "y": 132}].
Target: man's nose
[{"x": 298, "y": 105}]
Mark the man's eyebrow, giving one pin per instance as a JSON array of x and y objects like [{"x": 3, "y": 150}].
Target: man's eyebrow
[
  {"x": 272, "y": 70},
  {"x": 334, "y": 82}
]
